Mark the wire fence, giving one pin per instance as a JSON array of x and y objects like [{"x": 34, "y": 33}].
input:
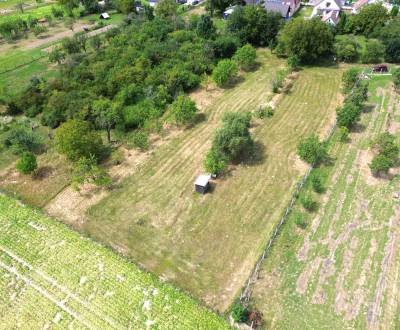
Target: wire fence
[
  {"x": 22, "y": 65},
  {"x": 247, "y": 290}
]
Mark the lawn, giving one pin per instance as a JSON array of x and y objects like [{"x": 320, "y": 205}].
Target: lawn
[
  {"x": 51, "y": 277},
  {"x": 342, "y": 270},
  {"x": 208, "y": 244}
]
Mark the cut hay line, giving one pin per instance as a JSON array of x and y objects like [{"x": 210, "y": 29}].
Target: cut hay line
[{"x": 64, "y": 290}]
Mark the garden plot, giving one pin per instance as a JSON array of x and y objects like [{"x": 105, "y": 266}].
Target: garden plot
[
  {"x": 342, "y": 271},
  {"x": 53, "y": 278},
  {"x": 209, "y": 244}
]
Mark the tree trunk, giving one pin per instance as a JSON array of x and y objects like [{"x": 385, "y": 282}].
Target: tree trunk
[{"x": 109, "y": 135}]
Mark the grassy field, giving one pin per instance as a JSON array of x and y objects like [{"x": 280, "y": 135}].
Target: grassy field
[
  {"x": 208, "y": 244},
  {"x": 52, "y": 278},
  {"x": 38, "y": 12},
  {"x": 342, "y": 270}
]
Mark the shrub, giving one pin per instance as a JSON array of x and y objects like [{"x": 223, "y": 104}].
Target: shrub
[
  {"x": 246, "y": 57},
  {"x": 373, "y": 53},
  {"x": 183, "y": 110},
  {"x": 27, "y": 163},
  {"x": 380, "y": 164},
  {"x": 224, "y": 72},
  {"x": 308, "y": 203},
  {"x": 311, "y": 150},
  {"x": 264, "y": 112},
  {"x": 141, "y": 140},
  {"x": 293, "y": 62},
  {"x": 349, "y": 78},
  {"x": 343, "y": 134},
  {"x": 214, "y": 163},
  {"x": 316, "y": 182},
  {"x": 21, "y": 139},
  {"x": 39, "y": 29},
  {"x": 347, "y": 50},
  {"x": 239, "y": 313},
  {"x": 87, "y": 170},
  {"x": 348, "y": 115},
  {"x": 300, "y": 221},
  {"x": 396, "y": 78},
  {"x": 387, "y": 156}
]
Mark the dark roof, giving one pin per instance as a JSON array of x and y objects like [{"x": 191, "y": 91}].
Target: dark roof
[
  {"x": 252, "y": 2},
  {"x": 278, "y": 7}
]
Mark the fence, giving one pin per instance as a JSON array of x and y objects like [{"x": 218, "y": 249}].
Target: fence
[{"x": 246, "y": 292}]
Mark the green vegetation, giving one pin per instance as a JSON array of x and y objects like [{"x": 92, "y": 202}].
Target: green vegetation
[
  {"x": 27, "y": 163},
  {"x": 225, "y": 72},
  {"x": 246, "y": 57},
  {"x": 183, "y": 110},
  {"x": 331, "y": 272},
  {"x": 42, "y": 261},
  {"x": 312, "y": 150},
  {"x": 151, "y": 214},
  {"x": 387, "y": 153}
]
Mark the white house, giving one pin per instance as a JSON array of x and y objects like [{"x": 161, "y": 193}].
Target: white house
[{"x": 324, "y": 7}]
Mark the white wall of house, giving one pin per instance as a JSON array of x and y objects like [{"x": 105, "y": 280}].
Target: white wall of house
[{"x": 324, "y": 7}]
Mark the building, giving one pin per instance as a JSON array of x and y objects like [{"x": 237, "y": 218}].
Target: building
[
  {"x": 332, "y": 18},
  {"x": 104, "y": 16},
  {"x": 324, "y": 7},
  {"x": 287, "y": 8},
  {"x": 202, "y": 183}
]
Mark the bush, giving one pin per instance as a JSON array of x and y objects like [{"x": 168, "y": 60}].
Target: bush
[
  {"x": 308, "y": 203},
  {"x": 135, "y": 116},
  {"x": 224, "y": 72},
  {"x": 57, "y": 12},
  {"x": 396, "y": 78},
  {"x": 300, "y": 221},
  {"x": 347, "y": 50},
  {"x": 225, "y": 46},
  {"x": 349, "y": 78},
  {"x": 183, "y": 110},
  {"x": 39, "y": 29},
  {"x": 141, "y": 140},
  {"x": 348, "y": 115},
  {"x": 214, "y": 163},
  {"x": 387, "y": 156},
  {"x": 87, "y": 170},
  {"x": 373, "y": 53},
  {"x": 343, "y": 134},
  {"x": 246, "y": 57},
  {"x": 380, "y": 164},
  {"x": 239, "y": 313},
  {"x": 311, "y": 150},
  {"x": 316, "y": 182},
  {"x": 21, "y": 139},
  {"x": 27, "y": 163},
  {"x": 264, "y": 112}
]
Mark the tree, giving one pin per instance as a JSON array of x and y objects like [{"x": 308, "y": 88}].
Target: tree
[
  {"x": 307, "y": 39},
  {"x": 348, "y": 115},
  {"x": 225, "y": 45},
  {"x": 349, "y": 78},
  {"x": 246, "y": 57},
  {"x": 87, "y": 170},
  {"x": 166, "y": 8},
  {"x": 69, "y": 5},
  {"x": 392, "y": 50},
  {"x": 125, "y": 6},
  {"x": 233, "y": 139},
  {"x": 374, "y": 51},
  {"x": 368, "y": 19},
  {"x": 217, "y": 5},
  {"x": 311, "y": 150},
  {"x": 91, "y": 6},
  {"x": 387, "y": 153},
  {"x": 75, "y": 139},
  {"x": 56, "y": 55},
  {"x": 183, "y": 110},
  {"x": 224, "y": 72},
  {"x": 106, "y": 115},
  {"x": 27, "y": 163},
  {"x": 252, "y": 24},
  {"x": 95, "y": 42},
  {"x": 394, "y": 12},
  {"x": 205, "y": 27},
  {"x": 214, "y": 162},
  {"x": 347, "y": 50}
]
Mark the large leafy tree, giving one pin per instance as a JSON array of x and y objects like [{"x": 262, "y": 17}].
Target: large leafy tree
[
  {"x": 307, "y": 39},
  {"x": 75, "y": 139},
  {"x": 254, "y": 25},
  {"x": 368, "y": 19},
  {"x": 183, "y": 110},
  {"x": 205, "y": 27}
]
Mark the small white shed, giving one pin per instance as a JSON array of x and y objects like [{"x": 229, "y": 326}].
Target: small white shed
[
  {"x": 104, "y": 16},
  {"x": 202, "y": 183}
]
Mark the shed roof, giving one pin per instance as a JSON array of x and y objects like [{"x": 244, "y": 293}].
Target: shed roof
[
  {"x": 105, "y": 15},
  {"x": 202, "y": 180}
]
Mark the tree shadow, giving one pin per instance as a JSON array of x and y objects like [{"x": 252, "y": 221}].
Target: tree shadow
[
  {"x": 368, "y": 108},
  {"x": 233, "y": 82},
  {"x": 43, "y": 172},
  {"x": 256, "y": 156},
  {"x": 358, "y": 128}
]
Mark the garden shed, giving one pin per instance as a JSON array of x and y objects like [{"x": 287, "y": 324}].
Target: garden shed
[
  {"x": 104, "y": 16},
  {"x": 202, "y": 183}
]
